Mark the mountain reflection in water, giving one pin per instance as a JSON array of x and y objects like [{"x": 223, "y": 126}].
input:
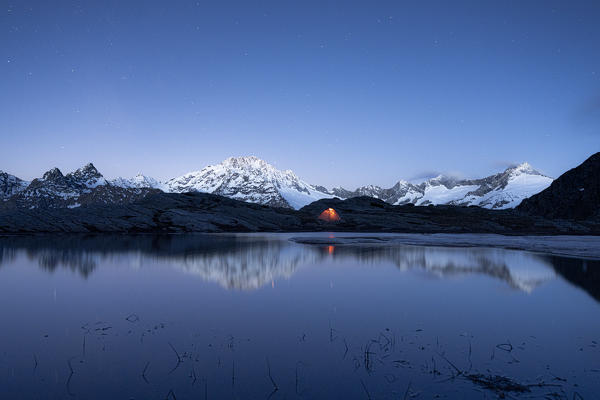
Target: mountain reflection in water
[
  {"x": 250, "y": 262},
  {"x": 265, "y": 316}
]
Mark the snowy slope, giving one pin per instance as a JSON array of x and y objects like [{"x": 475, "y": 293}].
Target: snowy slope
[
  {"x": 503, "y": 190},
  {"x": 137, "y": 182},
  {"x": 509, "y": 188},
  {"x": 10, "y": 185},
  {"x": 436, "y": 192},
  {"x": 249, "y": 179}
]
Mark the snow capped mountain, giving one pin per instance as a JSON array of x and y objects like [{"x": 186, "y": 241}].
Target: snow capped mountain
[
  {"x": 509, "y": 188},
  {"x": 52, "y": 185},
  {"x": 87, "y": 176},
  {"x": 10, "y": 185},
  {"x": 139, "y": 181},
  {"x": 84, "y": 186},
  {"x": 249, "y": 179},
  {"x": 254, "y": 180},
  {"x": 503, "y": 190}
]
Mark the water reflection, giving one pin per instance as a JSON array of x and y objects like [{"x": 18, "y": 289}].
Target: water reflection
[
  {"x": 584, "y": 274},
  {"x": 130, "y": 323},
  {"x": 250, "y": 262}
]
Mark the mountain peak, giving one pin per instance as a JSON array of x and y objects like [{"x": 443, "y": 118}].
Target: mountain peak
[
  {"x": 87, "y": 169},
  {"x": 247, "y": 162},
  {"x": 251, "y": 179},
  {"x": 88, "y": 176},
  {"x": 52, "y": 174},
  {"x": 523, "y": 168}
]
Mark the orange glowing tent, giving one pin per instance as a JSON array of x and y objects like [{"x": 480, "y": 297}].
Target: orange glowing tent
[{"x": 329, "y": 215}]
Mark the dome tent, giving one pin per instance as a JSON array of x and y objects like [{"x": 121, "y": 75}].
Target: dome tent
[{"x": 329, "y": 215}]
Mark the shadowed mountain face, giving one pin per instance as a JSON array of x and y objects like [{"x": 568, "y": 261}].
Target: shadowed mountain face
[
  {"x": 250, "y": 262},
  {"x": 574, "y": 195}
]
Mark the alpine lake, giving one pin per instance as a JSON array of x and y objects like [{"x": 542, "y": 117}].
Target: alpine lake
[{"x": 257, "y": 316}]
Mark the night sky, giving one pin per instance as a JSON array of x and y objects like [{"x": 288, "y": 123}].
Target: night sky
[{"x": 343, "y": 93}]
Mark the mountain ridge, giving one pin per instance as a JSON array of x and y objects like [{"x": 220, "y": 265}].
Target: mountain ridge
[
  {"x": 83, "y": 186},
  {"x": 251, "y": 179}
]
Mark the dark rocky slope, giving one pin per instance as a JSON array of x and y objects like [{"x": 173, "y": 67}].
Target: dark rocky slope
[
  {"x": 574, "y": 195},
  {"x": 198, "y": 212}
]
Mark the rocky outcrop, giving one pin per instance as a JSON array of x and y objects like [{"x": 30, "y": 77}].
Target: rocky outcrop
[
  {"x": 85, "y": 186},
  {"x": 574, "y": 195}
]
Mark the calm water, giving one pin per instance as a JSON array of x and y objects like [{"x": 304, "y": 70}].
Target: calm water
[{"x": 194, "y": 317}]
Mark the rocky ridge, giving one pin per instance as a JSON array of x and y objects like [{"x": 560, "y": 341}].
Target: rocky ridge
[{"x": 85, "y": 186}]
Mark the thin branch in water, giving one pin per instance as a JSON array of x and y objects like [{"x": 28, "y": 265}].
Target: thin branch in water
[
  {"x": 367, "y": 357},
  {"x": 365, "y": 389},
  {"x": 458, "y": 371},
  {"x": 275, "y": 387},
  {"x": 505, "y": 346},
  {"x": 435, "y": 370},
  {"x": 331, "y": 333},
  {"x": 72, "y": 372},
  {"x": 470, "y": 362},
  {"x": 178, "y": 358},
  {"x": 345, "y": 352},
  {"x": 193, "y": 375},
  {"x": 144, "y": 372},
  {"x": 272, "y": 394},
  {"x": 407, "y": 391}
]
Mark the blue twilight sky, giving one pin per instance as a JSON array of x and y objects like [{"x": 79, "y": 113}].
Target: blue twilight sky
[{"x": 343, "y": 93}]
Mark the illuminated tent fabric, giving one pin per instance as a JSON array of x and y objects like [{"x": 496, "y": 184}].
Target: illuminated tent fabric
[{"x": 329, "y": 215}]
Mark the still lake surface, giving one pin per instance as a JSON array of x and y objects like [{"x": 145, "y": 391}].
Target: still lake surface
[{"x": 259, "y": 316}]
